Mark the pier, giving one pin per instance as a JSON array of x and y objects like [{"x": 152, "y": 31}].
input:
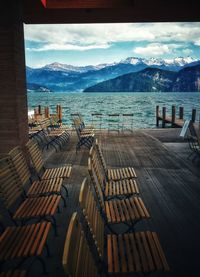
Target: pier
[
  {"x": 173, "y": 119},
  {"x": 169, "y": 185}
]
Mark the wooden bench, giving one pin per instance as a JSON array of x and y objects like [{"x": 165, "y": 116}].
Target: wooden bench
[
  {"x": 86, "y": 137},
  {"x": 23, "y": 243},
  {"x": 37, "y": 188},
  {"x": 124, "y": 211},
  {"x": 77, "y": 258},
  {"x": 11, "y": 192},
  {"x": 38, "y": 164},
  {"x": 128, "y": 253},
  {"x": 120, "y": 188},
  {"x": 114, "y": 174}
]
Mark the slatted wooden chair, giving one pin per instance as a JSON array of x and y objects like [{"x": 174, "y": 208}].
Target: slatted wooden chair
[
  {"x": 114, "y": 174},
  {"x": 23, "y": 243},
  {"x": 37, "y": 188},
  {"x": 38, "y": 164},
  {"x": 38, "y": 208},
  {"x": 85, "y": 138},
  {"x": 122, "y": 188},
  {"x": 77, "y": 259},
  {"x": 52, "y": 136},
  {"x": 135, "y": 252},
  {"x": 118, "y": 211}
]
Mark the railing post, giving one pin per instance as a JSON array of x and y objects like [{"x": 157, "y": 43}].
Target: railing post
[
  {"x": 60, "y": 113},
  {"x": 181, "y": 112},
  {"x": 39, "y": 109},
  {"x": 35, "y": 113},
  {"x": 46, "y": 111},
  {"x": 157, "y": 115},
  {"x": 173, "y": 115},
  {"x": 193, "y": 115},
  {"x": 163, "y": 116}
]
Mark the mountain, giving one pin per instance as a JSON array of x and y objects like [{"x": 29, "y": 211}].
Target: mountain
[
  {"x": 37, "y": 88},
  {"x": 152, "y": 80},
  {"x": 68, "y": 78}
]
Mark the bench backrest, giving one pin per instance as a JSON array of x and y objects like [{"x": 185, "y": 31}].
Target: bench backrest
[
  {"x": 96, "y": 164},
  {"x": 97, "y": 186},
  {"x": 35, "y": 155},
  {"x": 92, "y": 216},
  {"x": 10, "y": 185},
  {"x": 20, "y": 164},
  {"x": 77, "y": 259},
  {"x": 101, "y": 157}
]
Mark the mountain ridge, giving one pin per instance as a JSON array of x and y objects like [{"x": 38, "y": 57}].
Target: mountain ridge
[
  {"x": 152, "y": 80},
  {"x": 63, "y": 77}
]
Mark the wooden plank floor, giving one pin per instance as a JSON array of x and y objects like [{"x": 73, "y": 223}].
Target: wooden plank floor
[{"x": 169, "y": 185}]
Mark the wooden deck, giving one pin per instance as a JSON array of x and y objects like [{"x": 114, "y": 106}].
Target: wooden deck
[{"x": 169, "y": 184}]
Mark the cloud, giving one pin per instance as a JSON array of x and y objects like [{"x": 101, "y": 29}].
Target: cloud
[
  {"x": 187, "y": 52},
  {"x": 197, "y": 42},
  {"x": 153, "y": 49},
  {"x": 62, "y": 47},
  {"x": 89, "y": 34}
]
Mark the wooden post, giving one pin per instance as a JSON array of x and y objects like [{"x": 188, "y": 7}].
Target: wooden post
[
  {"x": 157, "y": 115},
  {"x": 193, "y": 115},
  {"x": 181, "y": 112},
  {"x": 173, "y": 115},
  {"x": 46, "y": 111},
  {"x": 39, "y": 109},
  {"x": 60, "y": 114},
  {"x": 35, "y": 113},
  {"x": 163, "y": 116}
]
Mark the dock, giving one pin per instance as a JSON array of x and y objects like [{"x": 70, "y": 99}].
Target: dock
[
  {"x": 168, "y": 183},
  {"x": 173, "y": 119}
]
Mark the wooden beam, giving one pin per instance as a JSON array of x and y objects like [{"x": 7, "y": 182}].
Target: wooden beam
[
  {"x": 86, "y": 4},
  {"x": 140, "y": 11}
]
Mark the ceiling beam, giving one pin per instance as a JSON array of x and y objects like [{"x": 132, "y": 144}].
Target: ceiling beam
[
  {"x": 141, "y": 11},
  {"x": 86, "y": 4}
]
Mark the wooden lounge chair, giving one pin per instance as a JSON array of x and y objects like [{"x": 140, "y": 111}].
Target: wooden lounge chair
[
  {"x": 121, "y": 188},
  {"x": 135, "y": 252},
  {"x": 114, "y": 173},
  {"x": 77, "y": 258},
  {"x": 38, "y": 208},
  {"x": 118, "y": 211},
  {"x": 23, "y": 243},
  {"x": 38, "y": 164},
  {"x": 38, "y": 187}
]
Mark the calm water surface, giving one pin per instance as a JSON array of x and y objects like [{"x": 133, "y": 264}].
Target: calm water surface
[{"x": 142, "y": 105}]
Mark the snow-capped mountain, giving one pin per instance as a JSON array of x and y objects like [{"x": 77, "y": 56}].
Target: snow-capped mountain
[
  {"x": 64, "y": 77},
  {"x": 71, "y": 68},
  {"x": 179, "y": 61}
]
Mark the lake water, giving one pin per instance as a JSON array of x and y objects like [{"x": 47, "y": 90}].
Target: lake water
[{"x": 142, "y": 105}]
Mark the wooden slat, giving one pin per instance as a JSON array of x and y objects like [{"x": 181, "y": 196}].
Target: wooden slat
[
  {"x": 147, "y": 251},
  {"x": 115, "y": 254},
  {"x": 141, "y": 252},
  {"x": 129, "y": 253},
  {"x": 122, "y": 254}
]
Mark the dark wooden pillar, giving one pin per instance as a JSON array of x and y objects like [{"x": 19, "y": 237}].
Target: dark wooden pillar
[{"x": 13, "y": 98}]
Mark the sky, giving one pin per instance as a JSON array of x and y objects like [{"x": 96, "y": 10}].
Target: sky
[{"x": 93, "y": 44}]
